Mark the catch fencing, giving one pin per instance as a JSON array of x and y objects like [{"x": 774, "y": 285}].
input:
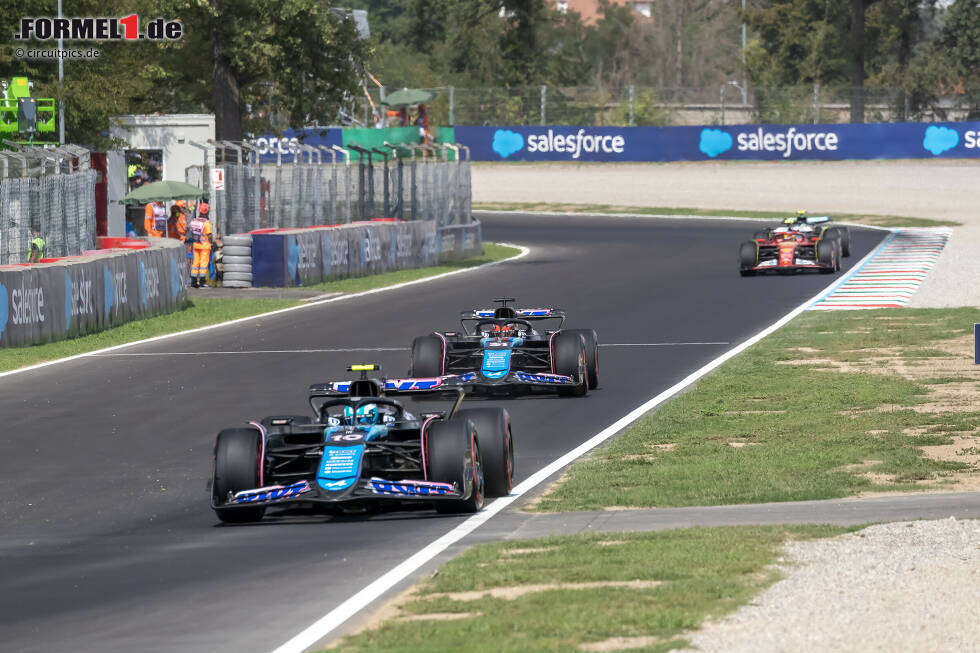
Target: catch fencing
[
  {"x": 411, "y": 183},
  {"x": 52, "y": 191}
]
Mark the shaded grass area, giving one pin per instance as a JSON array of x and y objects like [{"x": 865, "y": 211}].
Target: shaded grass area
[
  {"x": 758, "y": 431},
  {"x": 198, "y": 312},
  {"x": 491, "y": 252},
  {"x": 204, "y": 311},
  {"x": 876, "y": 220},
  {"x": 703, "y": 573}
]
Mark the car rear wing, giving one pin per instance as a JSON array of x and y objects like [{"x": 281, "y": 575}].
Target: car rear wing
[
  {"x": 440, "y": 385},
  {"x": 528, "y": 314}
]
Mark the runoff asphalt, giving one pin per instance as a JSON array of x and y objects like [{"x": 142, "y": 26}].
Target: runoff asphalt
[{"x": 107, "y": 542}]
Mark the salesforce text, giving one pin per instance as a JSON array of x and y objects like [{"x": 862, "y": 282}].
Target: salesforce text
[
  {"x": 787, "y": 142},
  {"x": 575, "y": 144}
]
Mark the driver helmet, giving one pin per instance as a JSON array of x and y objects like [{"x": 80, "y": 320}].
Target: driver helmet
[
  {"x": 505, "y": 330},
  {"x": 366, "y": 415}
]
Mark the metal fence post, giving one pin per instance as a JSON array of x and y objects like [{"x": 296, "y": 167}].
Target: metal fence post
[
  {"x": 452, "y": 106},
  {"x": 544, "y": 100},
  {"x": 632, "y": 100},
  {"x": 347, "y": 190}
]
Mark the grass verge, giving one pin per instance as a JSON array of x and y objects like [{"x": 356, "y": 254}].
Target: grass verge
[
  {"x": 205, "y": 311},
  {"x": 516, "y": 596},
  {"x": 876, "y": 220},
  {"x": 832, "y": 405}
]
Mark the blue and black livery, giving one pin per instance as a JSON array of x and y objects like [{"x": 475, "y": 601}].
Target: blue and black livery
[
  {"x": 499, "y": 351},
  {"x": 360, "y": 446}
]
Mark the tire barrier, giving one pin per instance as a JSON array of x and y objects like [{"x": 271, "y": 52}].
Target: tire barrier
[
  {"x": 236, "y": 261},
  {"x": 301, "y": 257},
  {"x": 74, "y": 297}
]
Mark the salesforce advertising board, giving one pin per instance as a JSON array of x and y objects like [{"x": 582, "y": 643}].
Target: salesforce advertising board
[{"x": 738, "y": 142}]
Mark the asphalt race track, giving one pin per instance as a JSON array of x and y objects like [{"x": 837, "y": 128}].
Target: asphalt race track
[{"x": 107, "y": 541}]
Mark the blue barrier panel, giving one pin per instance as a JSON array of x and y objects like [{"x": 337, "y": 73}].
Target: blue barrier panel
[
  {"x": 288, "y": 141},
  {"x": 951, "y": 140}
]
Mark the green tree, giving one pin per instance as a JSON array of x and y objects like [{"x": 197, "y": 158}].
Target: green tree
[{"x": 961, "y": 40}]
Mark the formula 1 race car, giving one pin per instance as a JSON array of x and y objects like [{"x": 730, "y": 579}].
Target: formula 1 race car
[
  {"x": 362, "y": 448},
  {"x": 499, "y": 352},
  {"x": 800, "y": 243}
]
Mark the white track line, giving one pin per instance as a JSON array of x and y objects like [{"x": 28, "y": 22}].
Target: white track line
[
  {"x": 255, "y": 351},
  {"x": 357, "y": 349},
  {"x": 662, "y": 216},
  {"x": 381, "y": 586},
  {"x": 524, "y": 252}
]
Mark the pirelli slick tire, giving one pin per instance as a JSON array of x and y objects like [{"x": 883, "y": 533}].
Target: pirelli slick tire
[
  {"x": 237, "y": 240},
  {"x": 228, "y": 283},
  {"x": 237, "y": 276},
  {"x": 236, "y": 260},
  {"x": 427, "y": 357},
  {"x": 828, "y": 251},
  {"x": 237, "y": 250},
  {"x": 591, "y": 354},
  {"x": 496, "y": 447},
  {"x": 236, "y": 468},
  {"x": 844, "y": 234},
  {"x": 568, "y": 358},
  {"x": 236, "y": 267},
  {"x": 748, "y": 257},
  {"x": 453, "y": 456}
]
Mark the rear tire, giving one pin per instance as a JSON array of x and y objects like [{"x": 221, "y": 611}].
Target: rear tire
[
  {"x": 427, "y": 357},
  {"x": 748, "y": 257},
  {"x": 568, "y": 358},
  {"x": 496, "y": 447},
  {"x": 591, "y": 355},
  {"x": 236, "y": 468},
  {"x": 454, "y": 457},
  {"x": 845, "y": 240}
]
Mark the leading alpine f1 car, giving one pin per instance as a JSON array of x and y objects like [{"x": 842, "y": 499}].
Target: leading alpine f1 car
[
  {"x": 800, "y": 243},
  {"x": 360, "y": 447},
  {"x": 500, "y": 352}
]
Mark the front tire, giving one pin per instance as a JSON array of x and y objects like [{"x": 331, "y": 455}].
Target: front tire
[
  {"x": 236, "y": 468},
  {"x": 454, "y": 457},
  {"x": 591, "y": 355},
  {"x": 568, "y": 357},
  {"x": 427, "y": 357},
  {"x": 748, "y": 258},
  {"x": 827, "y": 251},
  {"x": 496, "y": 447}
]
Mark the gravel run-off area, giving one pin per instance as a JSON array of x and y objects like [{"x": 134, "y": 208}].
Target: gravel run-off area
[
  {"x": 892, "y": 587},
  {"x": 945, "y": 189},
  {"x": 904, "y": 586}
]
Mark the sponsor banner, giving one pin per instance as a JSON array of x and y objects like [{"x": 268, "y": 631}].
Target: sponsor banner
[
  {"x": 75, "y": 297},
  {"x": 302, "y": 257},
  {"x": 738, "y": 142},
  {"x": 285, "y": 145},
  {"x": 460, "y": 241}
]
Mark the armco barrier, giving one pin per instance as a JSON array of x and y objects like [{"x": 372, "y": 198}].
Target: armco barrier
[
  {"x": 77, "y": 296},
  {"x": 950, "y": 140},
  {"x": 300, "y": 257}
]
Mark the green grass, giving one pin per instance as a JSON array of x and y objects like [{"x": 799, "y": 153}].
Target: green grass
[
  {"x": 827, "y": 422},
  {"x": 206, "y": 310},
  {"x": 877, "y": 220},
  {"x": 491, "y": 252},
  {"x": 704, "y": 573}
]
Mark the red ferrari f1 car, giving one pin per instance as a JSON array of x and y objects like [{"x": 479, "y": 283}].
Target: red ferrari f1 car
[{"x": 807, "y": 244}]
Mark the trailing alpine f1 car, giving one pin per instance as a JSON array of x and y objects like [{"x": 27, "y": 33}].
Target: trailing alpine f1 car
[
  {"x": 800, "y": 243},
  {"x": 500, "y": 352},
  {"x": 361, "y": 447}
]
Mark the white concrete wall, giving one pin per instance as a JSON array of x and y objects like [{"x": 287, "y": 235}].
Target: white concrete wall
[{"x": 170, "y": 133}]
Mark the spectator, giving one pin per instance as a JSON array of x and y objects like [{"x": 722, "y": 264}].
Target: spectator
[
  {"x": 36, "y": 250},
  {"x": 177, "y": 223},
  {"x": 422, "y": 120},
  {"x": 155, "y": 219},
  {"x": 130, "y": 229}
]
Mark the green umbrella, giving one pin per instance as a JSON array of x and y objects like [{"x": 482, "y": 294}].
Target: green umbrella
[
  {"x": 408, "y": 97},
  {"x": 163, "y": 191}
]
